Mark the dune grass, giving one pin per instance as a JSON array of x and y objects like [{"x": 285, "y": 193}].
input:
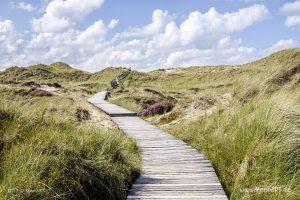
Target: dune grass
[
  {"x": 251, "y": 146},
  {"x": 46, "y": 154},
  {"x": 245, "y": 119}
]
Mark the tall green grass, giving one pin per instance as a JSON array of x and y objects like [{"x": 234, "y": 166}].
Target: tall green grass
[
  {"x": 251, "y": 146},
  {"x": 51, "y": 157},
  {"x": 252, "y": 139}
]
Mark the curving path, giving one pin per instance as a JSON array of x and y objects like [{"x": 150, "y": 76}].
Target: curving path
[{"x": 171, "y": 169}]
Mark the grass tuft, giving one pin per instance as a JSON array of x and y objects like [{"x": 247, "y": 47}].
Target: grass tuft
[{"x": 45, "y": 155}]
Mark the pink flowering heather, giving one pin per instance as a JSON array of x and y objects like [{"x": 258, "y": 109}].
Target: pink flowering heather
[{"x": 157, "y": 108}]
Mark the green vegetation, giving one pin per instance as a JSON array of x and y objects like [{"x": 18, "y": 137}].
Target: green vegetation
[
  {"x": 72, "y": 79},
  {"x": 50, "y": 150},
  {"x": 245, "y": 119}
]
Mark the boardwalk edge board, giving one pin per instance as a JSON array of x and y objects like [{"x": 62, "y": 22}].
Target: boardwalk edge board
[{"x": 171, "y": 168}]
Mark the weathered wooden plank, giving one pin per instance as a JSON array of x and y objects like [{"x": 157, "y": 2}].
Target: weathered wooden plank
[
  {"x": 176, "y": 193},
  {"x": 171, "y": 168},
  {"x": 175, "y": 180},
  {"x": 215, "y": 197}
]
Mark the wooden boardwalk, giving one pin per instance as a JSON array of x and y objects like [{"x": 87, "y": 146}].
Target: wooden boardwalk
[{"x": 171, "y": 169}]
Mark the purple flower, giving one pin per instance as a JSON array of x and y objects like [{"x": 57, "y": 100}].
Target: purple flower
[{"x": 157, "y": 108}]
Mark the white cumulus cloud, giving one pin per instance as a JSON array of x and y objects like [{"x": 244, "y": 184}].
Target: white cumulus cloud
[
  {"x": 291, "y": 7},
  {"x": 25, "y": 6},
  {"x": 160, "y": 18},
  {"x": 201, "y": 38},
  {"x": 61, "y": 15},
  {"x": 280, "y": 45},
  {"x": 292, "y": 10},
  {"x": 10, "y": 44},
  {"x": 292, "y": 20},
  {"x": 205, "y": 29},
  {"x": 113, "y": 23}
]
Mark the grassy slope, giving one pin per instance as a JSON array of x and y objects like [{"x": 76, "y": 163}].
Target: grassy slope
[
  {"x": 245, "y": 119},
  {"x": 47, "y": 154},
  {"x": 71, "y": 79}
]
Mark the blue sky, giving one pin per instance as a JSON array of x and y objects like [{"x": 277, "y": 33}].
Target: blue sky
[{"x": 148, "y": 34}]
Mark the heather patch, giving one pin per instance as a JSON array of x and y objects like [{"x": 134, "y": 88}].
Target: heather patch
[{"x": 157, "y": 108}]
